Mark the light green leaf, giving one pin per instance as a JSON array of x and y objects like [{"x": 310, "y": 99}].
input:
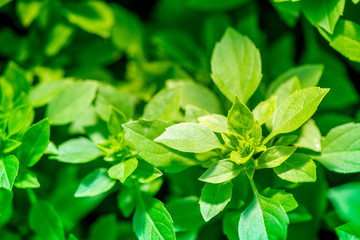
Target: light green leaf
[
  {"x": 58, "y": 38},
  {"x": 152, "y": 220},
  {"x": 34, "y": 143},
  {"x": 214, "y": 198},
  {"x": 9, "y": 167},
  {"x": 348, "y": 231},
  {"x": 221, "y": 171},
  {"x": 77, "y": 150},
  {"x": 308, "y": 75},
  {"x": 10, "y": 145},
  {"x": 4, "y": 2},
  {"x": 274, "y": 156},
  {"x": 123, "y": 170},
  {"x": 346, "y": 39},
  {"x": 44, "y": 92},
  {"x": 21, "y": 116},
  {"x": 341, "y": 148},
  {"x": 310, "y": 136},
  {"x": 215, "y": 122},
  {"x": 186, "y": 213},
  {"x": 355, "y": 1},
  {"x": 286, "y": 88},
  {"x": 45, "y": 222},
  {"x": 115, "y": 122},
  {"x": 16, "y": 77},
  {"x": 286, "y": 200},
  {"x": 71, "y": 102},
  {"x": 27, "y": 180},
  {"x": 189, "y": 137},
  {"x": 92, "y": 16},
  {"x": 264, "y": 110},
  {"x": 197, "y": 95},
  {"x": 140, "y": 136},
  {"x": 192, "y": 113},
  {"x": 297, "y": 168},
  {"x": 325, "y": 14},
  {"x": 27, "y": 11},
  {"x": 164, "y": 105},
  {"x": 95, "y": 183},
  {"x": 236, "y": 66},
  {"x": 240, "y": 119},
  {"x": 145, "y": 172},
  {"x": 296, "y": 110},
  {"x": 264, "y": 218},
  {"x": 346, "y": 201}
]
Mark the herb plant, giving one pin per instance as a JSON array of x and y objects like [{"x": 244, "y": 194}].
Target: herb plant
[{"x": 120, "y": 127}]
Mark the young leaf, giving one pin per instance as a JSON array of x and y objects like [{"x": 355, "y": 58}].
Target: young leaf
[
  {"x": 189, "y": 137},
  {"x": 308, "y": 75},
  {"x": 325, "y": 15},
  {"x": 215, "y": 122},
  {"x": 221, "y": 171},
  {"x": 274, "y": 156},
  {"x": 140, "y": 136},
  {"x": 123, "y": 170},
  {"x": 310, "y": 136},
  {"x": 348, "y": 231},
  {"x": 71, "y": 102},
  {"x": 236, "y": 66},
  {"x": 77, "y": 150},
  {"x": 286, "y": 200},
  {"x": 115, "y": 122},
  {"x": 296, "y": 109},
  {"x": 240, "y": 118},
  {"x": 95, "y": 183},
  {"x": 264, "y": 110},
  {"x": 164, "y": 105},
  {"x": 45, "y": 222},
  {"x": 9, "y": 167},
  {"x": 152, "y": 220},
  {"x": 341, "y": 148},
  {"x": 34, "y": 143},
  {"x": 264, "y": 218},
  {"x": 214, "y": 198},
  {"x": 297, "y": 168}
]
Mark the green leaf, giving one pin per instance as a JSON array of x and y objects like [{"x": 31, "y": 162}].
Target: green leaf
[
  {"x": 341, "y": 148},
  {"x": 45, "y": 222},
  {"x": 346, "y": 39},
  {"x": 92, "y": 16},
  {"x": 145, "y": 172},
  {"x": 59, "y": 37},
  {"x": 95, "y": 183},
  {"x": 214, "y": 198},
  {"x": 28, "y": 179},
  {"x": 186, "y": 213},
  {"x": 126, "y": 200},
  {"x": 221, "y": 171},
  {"x": 140, "y": 136},
  {"x": 4, "y": 2},
  {"x": 214, "y": 5},
  {"x": 6, "y": 198},
  {"x": 287, "y": 88},
  {"x": 289, "y": 11},
  {"x": 77, "y": 150},
  {"x": 230, "y": 225},
  {"x": 215, "y": 122},
  {"x": 264, "y": 110},
  {"x": 240, "y": 119},
  {"x": 44, "y": 92},
  {"x": 236, "y": 66},
  {"x": 27, "y": 11},
  {"x": 308, "y": 75},
  {"x": 286, "y": 200},
  {"x": 10, "y": 145},
  {"x": 274, "y": 156},
  {"x": 264, "y": 218},
  {"x": 16, "y": 77},
  {"x": 346, "y": 202},
  {"x": 164, "y": 105},
  {"x": 123, "y": 170},
  {"x": 348, "y": 231},
  {"x": 152, "y": 220},
  {"x": 325, "y": 15},
  {"x": 189, "y": 137},
  {"x": 197, "y": 95},
  {"x": 9, "y": 167},
  {"x": 296, "y": 110},
  {"x": 71, "y": 102},
  {"x": 310, "y": 136},
  {"x": 21, "y": 116},
  {"x": 34, "y": 143},
  {"x": 105, "y": 227},
  {"x": 297, "y": 168},
  {"x": 116, "y": 120}
]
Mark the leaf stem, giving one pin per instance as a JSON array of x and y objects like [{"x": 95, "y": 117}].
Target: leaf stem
[
  {"x": 32, "y": 195},
  {"x": 253, "y": 187}
]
